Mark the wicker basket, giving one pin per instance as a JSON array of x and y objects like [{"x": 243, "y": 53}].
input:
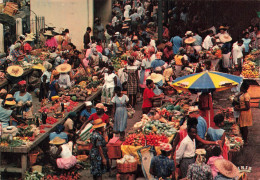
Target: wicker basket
[
  {"x": 126, "y": 167},
  {"x": 82, "y": 157},
  {"x": 33, "y": 157}
]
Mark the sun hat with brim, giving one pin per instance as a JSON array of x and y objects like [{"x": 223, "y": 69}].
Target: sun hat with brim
[
  {"x": 135, "y": 38},
  {"x": 88, "y": 103},
  {"x": 101, "y": 106},
  {"x": 200, "y": 152},
  {"x": 28, "y": 39},
  {"x": 39, "y": 67},
  {"x": 226, "y": 168},
  {"x": 190, "y": 40},
  {"x": 15, "y": 71},
  {"x": 48, "y": 33},
  {"x": 193, "y": 109},
  {"x": 156, "y": 77},
  {"x": 9, "y": 100},
  {"x": 31, "y": 35},
  {"x": 3, "y": 91},
  {"x": 47, "y": 65},
  {"x": 222, "y": 27},
  {"x": 57, "y": 141},
  {"x": 97, "y": 123},
  {"x": 189, "y": 33},
  {"x": 125, "y": 26},
  {"x": 63, "y": 68},
  {"x": 225, "y": 38}
]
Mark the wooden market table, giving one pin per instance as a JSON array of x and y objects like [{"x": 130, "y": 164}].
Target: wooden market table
[{"x": 24, "y": 150}]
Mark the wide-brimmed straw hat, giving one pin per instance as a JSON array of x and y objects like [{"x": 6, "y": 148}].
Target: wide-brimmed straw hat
[
  {"x": 125, "y": 26},
  {"x": 39, "y": 67},
  {"x": 193, "y": 109},
  {"x": 101, "y": 106},
  {"x": 189, "y": 33},
  {"x": 48, "y": 33},
  {"x": 15, "y": 71},
  {"x": 225, "y": 38},
  {"x": 3, "y": 91},
  {"x": 57, "y": 141},
  {"x": 31, "y": 35},
  {"x": 28, "y": 39},
  {"x": 97, "y": 123},
  {"x": 10, "y": 100},
  {"x": 135, "y": 38},
  {"x": 63, "y": 68},
  {"x": 222, "y": 27},
  {"x": 47, "y": 65},
  {"x": 226, "y": 168},
  {"x": 190, "y": 40},
  {"x": 156, "y": 77}
]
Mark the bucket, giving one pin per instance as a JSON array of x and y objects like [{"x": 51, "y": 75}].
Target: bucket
[{"x": 37, "y": 168}]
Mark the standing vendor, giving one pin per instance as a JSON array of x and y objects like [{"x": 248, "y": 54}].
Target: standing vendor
[
  {"x": 6, "y": 112},
  {"x": 24, "y": 98}
]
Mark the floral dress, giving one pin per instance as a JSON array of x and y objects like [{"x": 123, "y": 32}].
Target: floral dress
[{"x": 97, "y": 168}]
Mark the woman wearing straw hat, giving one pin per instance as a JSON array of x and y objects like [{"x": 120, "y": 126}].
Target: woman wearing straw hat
[
  {"x": 98, "y": 153},
  {"x": 25, "y": 98},
  {"x": 50, "y": 42},
  {"x": 45, "y": 81},
  {"x": 64, "y": 79},
  {"x": 63, "y": 157},
  {"x": 6, "y": 112},
  {"x": 191, "y": 53},
  {"x": 227, "y": 170}
]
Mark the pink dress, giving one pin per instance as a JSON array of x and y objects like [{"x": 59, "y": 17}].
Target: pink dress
[
  {"x": 51, "y": 42},
  {"x": 67, "y": 160},
  {"x": 212, "y": 166}
]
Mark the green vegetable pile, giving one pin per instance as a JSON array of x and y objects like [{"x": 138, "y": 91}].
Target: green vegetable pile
[{"x": 159, "y": 128}]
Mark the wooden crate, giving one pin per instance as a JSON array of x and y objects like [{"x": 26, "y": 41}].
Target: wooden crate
[{"x": 253, "y": 91}]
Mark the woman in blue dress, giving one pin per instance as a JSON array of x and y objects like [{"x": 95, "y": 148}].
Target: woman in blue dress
[
  {"x": 120, "y": 118},
  {"x": 98, "y": 154},
  {"x": 24, "y": 98},
  {"x": 54, "y": 86}
]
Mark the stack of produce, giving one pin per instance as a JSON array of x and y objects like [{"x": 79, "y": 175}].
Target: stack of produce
[
  {"x": 11, "y": 8},
  {"x": 249, "y": 68},
  {"x": 141, "y": 139},
  {"x": 159, "y": 128}
]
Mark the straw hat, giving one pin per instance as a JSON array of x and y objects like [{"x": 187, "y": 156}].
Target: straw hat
[
  {"x": 47, "y": 65},
  {"x": 127, "y": 20},
  {"x": 189, "y": 33},
  {"x": 28, "y": 38},
  {"x": 156, "y": 77},
  {"x": 95, "y": 78},
  {"x": 190, "y": 40},
  {"x": 15, "y": 70},
  {"x": 39, "y": 67},
  {"x": 10, "y": 100},
  {"x": 225, "y": 38},
  {"x": 3, "y": 91},
  {"x": 31, "y": 35},
  {"x": 200, "y": 151},
  {"x": 222, "y": 27},
  {"x": 226, "y": 168},
  {"x": 57, "y": 141},
  {"x": 63, "y": 68},
  {"x": 48, "y": 33},
  {"x": 125, "y": 26},
  {"x": 101, "y": 106},
  {"x": 135, "y": 38},
  {"x": 98, "y": 123},
  {"x": 193, "y": 109}
]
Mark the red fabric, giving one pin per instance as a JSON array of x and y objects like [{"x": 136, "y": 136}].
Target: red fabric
[
  {"x": 206, "y": 113},
  {"x": 23, "y": 82},
  {"x": 27, "y": 47},
  {"x": 105, "y": 117},
  {"x": 225, "y": 152},
  {"x": 148, "y": 94},
  {"x": 183, "y": 133},
  {"x": 167, "y": 53},
  {"x": 99, "y": 48}
]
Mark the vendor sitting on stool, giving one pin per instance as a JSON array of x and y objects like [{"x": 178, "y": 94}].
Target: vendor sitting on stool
[
  {"x": 6, "y": 112},
  {"x": 161, "y": 166},
  {"x": 62, "y": 153},
  {"x": 70, "y": 124}
]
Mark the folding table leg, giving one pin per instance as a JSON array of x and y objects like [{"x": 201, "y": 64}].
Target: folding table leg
[{"x": 23, "y": 164}]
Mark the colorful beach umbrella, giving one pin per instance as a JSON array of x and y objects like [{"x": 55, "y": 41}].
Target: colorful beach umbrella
[{"x": 207, "y": 81}]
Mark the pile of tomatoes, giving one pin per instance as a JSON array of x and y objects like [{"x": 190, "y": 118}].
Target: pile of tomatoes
[
  {"x": 51, "y": 120},
  {"x": 141, "y": 139}
]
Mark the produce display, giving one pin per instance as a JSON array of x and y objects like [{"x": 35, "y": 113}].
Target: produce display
[
  {"x": 159, "y": 128},
  {"x": 6, "y": 142},
  {"x": 141, "y": 139},
  {"x": 249, "y": 68}
]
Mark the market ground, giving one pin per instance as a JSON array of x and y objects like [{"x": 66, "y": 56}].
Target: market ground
[{"x": 248, "y": 156}]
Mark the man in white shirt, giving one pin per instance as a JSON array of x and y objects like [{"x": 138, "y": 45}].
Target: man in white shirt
[
  {"x": 207, "y": 43},
  {"x": 140, "y": 10},
  {"x": 185, "y": 155},
  {"x": 237, "y": 53}
]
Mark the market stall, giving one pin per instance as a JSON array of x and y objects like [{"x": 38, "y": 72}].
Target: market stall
[{"x": 24, "y": 149}]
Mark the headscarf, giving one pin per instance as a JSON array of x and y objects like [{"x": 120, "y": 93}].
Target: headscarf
[
  {"x": 23, "y": 82},
  {"x": 101, "y": 106}
]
